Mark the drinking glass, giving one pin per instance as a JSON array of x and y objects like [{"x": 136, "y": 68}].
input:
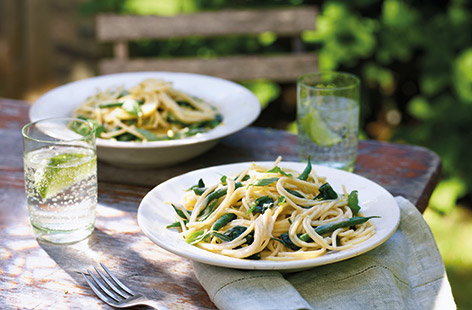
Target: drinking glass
[
  {"x": 60, "y": 167},
  {"x": 328, "y": 118}
]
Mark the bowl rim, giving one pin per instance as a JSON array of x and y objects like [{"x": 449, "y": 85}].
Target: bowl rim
[{"x": 210, "y": 135}]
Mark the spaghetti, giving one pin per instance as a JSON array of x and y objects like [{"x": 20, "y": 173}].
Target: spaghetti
[
  {"x": 271, "y": 214},
  {"x": 150, "y": 111}
]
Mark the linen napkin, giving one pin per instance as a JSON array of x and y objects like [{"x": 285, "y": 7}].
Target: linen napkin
[{"x": 406, "y": 272}]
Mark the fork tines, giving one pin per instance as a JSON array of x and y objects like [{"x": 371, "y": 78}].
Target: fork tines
[{"x": 107, "y": 287}]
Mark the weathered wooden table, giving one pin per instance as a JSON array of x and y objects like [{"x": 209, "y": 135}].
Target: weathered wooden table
[{"x": 45, "y": 276}]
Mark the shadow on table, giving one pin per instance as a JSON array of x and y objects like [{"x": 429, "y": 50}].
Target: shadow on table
[
  {"x": 154, "y": 279},
  {"x": 101, "y": 247}
]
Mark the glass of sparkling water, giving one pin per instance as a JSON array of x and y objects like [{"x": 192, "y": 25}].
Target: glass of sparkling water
[
  {"x": 60, "y": 166},
  {"x": 328, "y": 118}
]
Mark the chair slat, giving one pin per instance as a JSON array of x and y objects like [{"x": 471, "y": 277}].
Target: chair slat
[
  {"x": 283, "y": 68},
  {"x": 287, "y": 21}
]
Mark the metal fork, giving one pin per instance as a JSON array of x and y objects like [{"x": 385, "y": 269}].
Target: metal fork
[{"x": 114, "y": 292}]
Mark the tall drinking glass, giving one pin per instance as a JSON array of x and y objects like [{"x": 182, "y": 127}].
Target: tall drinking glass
[
  {"x": 60, "y": 168},
  {"x": 328, "y": 118}
]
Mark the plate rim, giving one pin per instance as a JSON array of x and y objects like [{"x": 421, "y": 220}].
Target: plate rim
[
  {"x": 266, "y": 265},
  {"x": 203, "y": 137}
]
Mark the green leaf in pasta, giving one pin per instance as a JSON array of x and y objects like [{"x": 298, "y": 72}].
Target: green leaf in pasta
[
  {"x": 277, "y": 169},
  {"x": 265, "y": 182},
  {"x": 353, "y": 202}
]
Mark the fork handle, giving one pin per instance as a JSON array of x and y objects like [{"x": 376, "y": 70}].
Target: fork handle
[{"x": 154, "y": 304}]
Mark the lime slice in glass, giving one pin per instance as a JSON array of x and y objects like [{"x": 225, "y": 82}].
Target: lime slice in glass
[
  {"x": 62, "y": 171},
  {"x": 317, "y": 130}
]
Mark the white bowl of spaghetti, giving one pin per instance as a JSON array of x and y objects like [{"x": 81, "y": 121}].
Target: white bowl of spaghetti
[
  {"x": 268, "y": 215},
  {"x": 153, "y": 119}
]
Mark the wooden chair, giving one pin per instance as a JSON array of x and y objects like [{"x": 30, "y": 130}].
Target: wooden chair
[{"x": 287, "y": 22}]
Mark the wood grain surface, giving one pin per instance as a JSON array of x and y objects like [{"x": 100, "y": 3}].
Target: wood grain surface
[
  {"x": 283, "y": 21},
  {"x": 45, "y": 276},
  {"x": 281, "y": 68}
]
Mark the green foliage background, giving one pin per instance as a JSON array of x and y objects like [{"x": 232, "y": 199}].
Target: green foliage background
[{"x": 415, "y": 58}]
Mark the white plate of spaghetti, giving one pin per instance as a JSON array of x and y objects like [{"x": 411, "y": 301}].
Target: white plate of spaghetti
[
  {"x": 268, "y": 215},
  {"x": 146, "y": 119}
]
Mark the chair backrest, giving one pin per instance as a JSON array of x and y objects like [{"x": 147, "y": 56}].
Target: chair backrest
[{"x": 287, "y": 22}]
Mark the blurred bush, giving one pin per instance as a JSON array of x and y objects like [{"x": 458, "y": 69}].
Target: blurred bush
[{"x": 414, "y": 58}]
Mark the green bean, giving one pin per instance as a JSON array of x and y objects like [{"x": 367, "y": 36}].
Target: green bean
[
  {"x": 173, "y": 120},
  {"x": 220, "y": 193},
  {"x": 261, "y": 204},
  {"x": 180, "y": 212},
  {"x": 110, "y": 105},
  {"x": 222, "y": 237},
  {"x": 295, "y": 193},
  {"x": 330, "y": 227},
  {"x": 185, "y": 104},
  {"x": 305, "y": 237},
  {"x": 306, "y": 173},
  {"x": 245, "y": 178},
  {"x": 216, "y": 194},
  {"x": 265, "y": 182},
  {"x": 126, "y": 137},
  {"x": 223, "y": 220},
  {"x": 209, "y": 207},
  {"x": 323, "y": 229},
  {"x": 175, "y": 225},
  {"x": 232, "y": 234},
  {"x": 205, "y": 213},
  {"x": 150, "y": 136}
]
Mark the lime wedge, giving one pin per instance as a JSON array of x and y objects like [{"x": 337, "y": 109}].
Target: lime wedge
[
  {"x": 317, "y": 130},
  {"x": 62, "y": 171}
]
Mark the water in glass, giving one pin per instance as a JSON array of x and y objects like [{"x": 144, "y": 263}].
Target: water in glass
[
  {"x": 327, "y": 130},
  {"x": 61, "y": 191}
]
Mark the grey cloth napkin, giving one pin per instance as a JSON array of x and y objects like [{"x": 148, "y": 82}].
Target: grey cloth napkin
[{"x": 406, "y": 272}]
